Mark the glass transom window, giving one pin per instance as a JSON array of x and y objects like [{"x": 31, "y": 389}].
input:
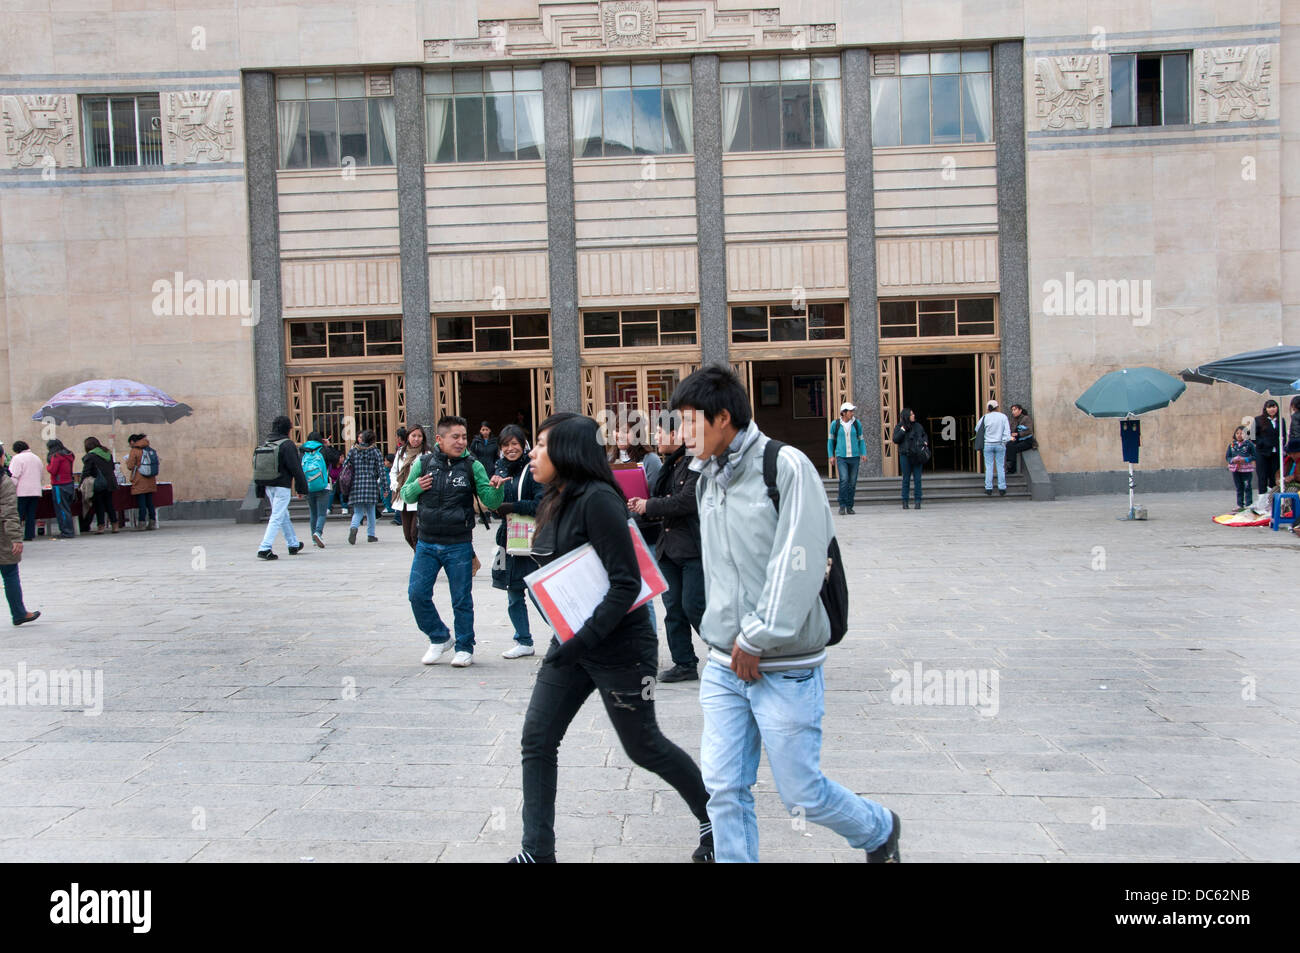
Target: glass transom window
[
  {"x": 332, "y": 340},
  {"x": 770, "y": 323},
  {"x": 327, "y": 120},
  {"x": 787, "y": 102},
  {"x": 937, "y": 317},
  {"x": 931, "y": 97},
  {"x": 494, "y": 331},
  {"x": 639, "y": 108},
  {"x": 1149, "y": 89},
  {"x": 641, "y": 327},
  {"x": 483, "y": 114}
]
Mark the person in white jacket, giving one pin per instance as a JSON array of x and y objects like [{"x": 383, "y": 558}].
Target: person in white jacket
[
  {"x": 402, "y": 460},
  {"x": 27, "y": 471},
  {"x": 997, "y": 434}
]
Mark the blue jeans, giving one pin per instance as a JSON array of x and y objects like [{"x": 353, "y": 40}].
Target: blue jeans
[
  {"x": 911, "y": 471},
  {"x": 318, "y": 504},
  {"x": 781, "y": 711},
  {"x": 995, "y": 456},
  {"x": 368, "y": 511},
  {"x": 847, "y": 467},
  {"x": 14, "y": 592},
  {"x": 62, "y": 493},
  {"x": 458, "y": 560},
  {"x": 279, "y": 521},
  {"x": 683, "y": 606},
  {"x": 517, "y": 610},
  {"x": 144, "y": 504}
]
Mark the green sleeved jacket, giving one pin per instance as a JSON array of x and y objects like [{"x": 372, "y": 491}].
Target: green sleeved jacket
[{"x": 490, "y": 496}]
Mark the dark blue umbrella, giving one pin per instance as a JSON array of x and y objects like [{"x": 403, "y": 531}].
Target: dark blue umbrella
[{"x": 1273, "y": 369}]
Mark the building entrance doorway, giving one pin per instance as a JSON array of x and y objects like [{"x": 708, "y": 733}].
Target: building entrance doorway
[
  {"x": 342, "y": 408},
  {"x": 941, "y": 389},
  {"x": 497, "y": 397},
  {"x": 792, "y": 403}
]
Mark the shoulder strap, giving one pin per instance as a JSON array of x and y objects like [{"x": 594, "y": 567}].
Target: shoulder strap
[{"x": 770, "y": 453}]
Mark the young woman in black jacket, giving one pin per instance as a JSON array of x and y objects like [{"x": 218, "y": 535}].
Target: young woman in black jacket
[
  {"x": 613, "y": 653},
  {"x": 1267, "y": 444},
  {"x": 522, "y": 495}
]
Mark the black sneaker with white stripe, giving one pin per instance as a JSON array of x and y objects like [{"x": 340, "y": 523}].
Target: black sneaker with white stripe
[
  {"x": 523, "y": 857},
  {"x": 704, "y": 853}
]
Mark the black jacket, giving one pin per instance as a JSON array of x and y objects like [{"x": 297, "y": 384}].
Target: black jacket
[
  {"x": 291, "y": 474},
  {"x": 1266, "y": 434},
  {"x": 485, "y": 452},
  {"x": 672, "y": 499},
  {"x": 512, "y": 576},
  {"x": 92, "y": 464},
  {"x": 596, "y": 513},
  {"x": 909, "y": 438}
]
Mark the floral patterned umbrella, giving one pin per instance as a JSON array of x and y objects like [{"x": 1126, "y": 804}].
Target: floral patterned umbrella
[{"x": 108, "y": 401}]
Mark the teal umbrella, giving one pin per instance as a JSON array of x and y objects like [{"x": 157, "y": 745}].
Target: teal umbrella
[{"x": 1129, "y": 392}]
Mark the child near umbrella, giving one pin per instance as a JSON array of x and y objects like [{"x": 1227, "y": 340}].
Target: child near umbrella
[{"x": 1241, "y": 464}]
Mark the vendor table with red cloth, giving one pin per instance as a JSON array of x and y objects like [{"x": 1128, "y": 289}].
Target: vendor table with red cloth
[{"x": 122, "y": 500}]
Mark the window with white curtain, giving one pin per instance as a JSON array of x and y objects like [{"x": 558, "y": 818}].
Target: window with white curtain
[
  {"x": 327, "y": 119},
  {"x": 483, "y": 115},
  {"x": 637, "y": 108},
  {"x": 927, "y": 97},
  {"x": 787, "y": 102}
]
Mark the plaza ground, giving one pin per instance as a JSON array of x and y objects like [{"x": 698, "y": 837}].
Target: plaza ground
[{"x": 1147, "y": 705}]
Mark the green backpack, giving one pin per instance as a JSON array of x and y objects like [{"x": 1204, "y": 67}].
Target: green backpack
[{"x": 266, "y": 461}]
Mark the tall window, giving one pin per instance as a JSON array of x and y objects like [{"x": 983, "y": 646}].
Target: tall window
[
  {"x": 1149, "y": 89},
  {"x": 497, "y": 331},
  {"x": 483, "y": 115},
  {"x": 763, "y": 324},
  {"x": 791, "y": 102},
  {"x": 937, "y": 318},
  {"x": 327, "y": 118},
  {"x": 935, "y": 97},
  {"x": 122, "y": 130},
  {"x": 639, "y": 328},
  {"x": 632, "y": 109}
]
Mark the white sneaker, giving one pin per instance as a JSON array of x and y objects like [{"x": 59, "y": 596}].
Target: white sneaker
[
  {"x": 436, "y": 652},
  {"x": 517, "y": 651},
  {"x": 463, "y": 660}
]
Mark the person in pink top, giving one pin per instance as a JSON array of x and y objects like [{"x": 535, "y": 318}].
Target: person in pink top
[{"x": 26, "y": 470}]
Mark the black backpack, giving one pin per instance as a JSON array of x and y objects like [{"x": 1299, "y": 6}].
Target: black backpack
[{"x": 835, "y": 587}]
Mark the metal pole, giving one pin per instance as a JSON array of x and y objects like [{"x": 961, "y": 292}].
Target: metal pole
[{"x": 1130, "y": 491}]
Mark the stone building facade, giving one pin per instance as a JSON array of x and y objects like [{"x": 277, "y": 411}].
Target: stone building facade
[{"x": 368, "y": 214}]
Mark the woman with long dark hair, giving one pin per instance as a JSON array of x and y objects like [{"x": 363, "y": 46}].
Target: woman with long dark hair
[
  {"x": 408, "y": 453},
  {"x": 98, "y": 464},
  {"x": 614, "y": 652},
  {"x": 367, "y": 470},
  {"x": 59, "y": 466},
  {"x": 1267, "y": 444},
  {"x": 522, "y": 496}
]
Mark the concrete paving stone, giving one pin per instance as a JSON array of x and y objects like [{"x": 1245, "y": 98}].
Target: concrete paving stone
[
  {"x": 1142, "y": 840},
  {"x": 493, "y": 853},
  {"x": 108, "y": 850},
  {"x": 967, "y": 838},
  {"x": 411, "y": 775},
  {"x": 190, "y": 751},
  {"x": 971, "y": 808},
  {"x": 1054, "y": 761},
  {"x": 67, "y": 794},
  {"x": 81, "y": 751},
  {"x": 871, "y": 782},
  {"x": 215, "y": 795},
  {"x": 29, "y": 821},
  {"x": 1011, "y": 740},
  {"x": 95, "y": 731},
  {"x": 405, "y": 753},
  {"x": 1072, "y": 784},
  {"x": 383, "y": 797},
  {"x": 193, "y": 822},
  {"x": 162, "y": 771},
  {"x": 410, "y": 827},
  {"x": 451, "y": 735},
  {"x": 1119, "y": 810},
  {"x": 271, "y": 734},
  {"x": 56, "y": 771},
  {"x": 344, "y": 851}
]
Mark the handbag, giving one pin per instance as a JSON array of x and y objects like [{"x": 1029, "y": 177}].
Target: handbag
[
  {"x": 979, "y": 436},
  {"x": 519, "y": 535},
  {"x": 87, "y": 488}
]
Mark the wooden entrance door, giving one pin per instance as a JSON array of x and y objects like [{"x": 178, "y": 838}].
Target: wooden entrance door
[{"x": 343, "y": 407}]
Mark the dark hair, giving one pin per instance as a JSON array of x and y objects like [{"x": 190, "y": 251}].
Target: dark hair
[
  {"x": 512, "y": 432},
  {"x": 20, "y": 446},
  {"x": 711, "y": 390},
  {"x": 669, "y": 421},
  {"x": 485, "y": 424},
  {"x": 402, "y": 433},
  {"x": 367, "y": 438},
  {"x": 1240, "y": 427},
  {"x": 91, "y": 443},
  {"x": 1023, "y": 408},
  {"x": 447, "y": 421},
  {"x": 905, "y": 417},
  {"x": 424, "y": 437},
  {"x": 1295, "y": 405},
  {"x": 281, "y": 424},
  {"x": 1262, "y": 413},
  {"x": 54, "y": 447},
  {"x": 315, "y": 435},
  {"x": 573, "y": 447}
]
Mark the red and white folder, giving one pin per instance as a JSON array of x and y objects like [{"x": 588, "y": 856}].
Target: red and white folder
[{"x": 569, "y": 589}]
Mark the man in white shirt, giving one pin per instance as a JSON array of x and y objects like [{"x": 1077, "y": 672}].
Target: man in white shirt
[{"x": 997, "y": 433}]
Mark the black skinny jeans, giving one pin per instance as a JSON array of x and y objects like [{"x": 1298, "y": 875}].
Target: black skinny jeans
[
  {"x": 1265, "y": 470},
  {"x": 628, "y": 694},
  {"x": 683, "y": 607},
  {"x": 103, "y": 500}
]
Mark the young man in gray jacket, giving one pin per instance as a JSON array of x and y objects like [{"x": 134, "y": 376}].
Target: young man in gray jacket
[{"x": 765, "y": 627}]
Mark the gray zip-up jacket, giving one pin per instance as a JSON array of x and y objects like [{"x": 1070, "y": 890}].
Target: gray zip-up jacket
[{"x": 763, "y": 572}]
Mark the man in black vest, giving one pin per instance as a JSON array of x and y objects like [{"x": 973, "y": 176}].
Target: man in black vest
[
  {"x": 444, "y": 482},
  {"x": 672, "y": 499}
]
